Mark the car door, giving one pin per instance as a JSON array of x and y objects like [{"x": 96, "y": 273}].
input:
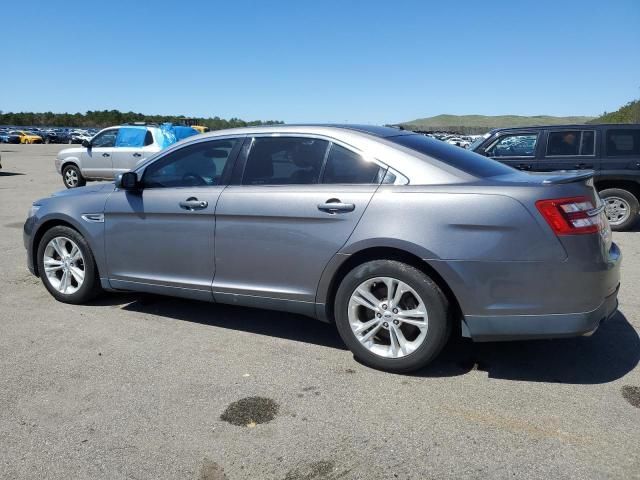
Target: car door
[
  {"x": 515, "y": 149},
  {"x": 278, "y": 227},
  {"x": 570, "y": 149},
  {"x": 160, "y": 238},
  {"x": 130, "y": 148},
  {"x": 96, "y": 159}
]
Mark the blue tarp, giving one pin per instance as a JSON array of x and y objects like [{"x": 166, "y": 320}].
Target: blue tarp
[{"x": 131, "y": 137}]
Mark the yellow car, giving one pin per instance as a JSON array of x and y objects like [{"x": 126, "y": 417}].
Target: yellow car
[
  {"x": 200, "y": 128},
  {"x": 26, "y": 137}
]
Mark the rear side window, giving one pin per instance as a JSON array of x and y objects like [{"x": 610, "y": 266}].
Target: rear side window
[
  {"x": 148, "y": 138},
  {"x": 521, "y": 145},
  {"x": 623, "y": 142},
  {"x": 284, "y": 161},
  {"x": 460, "y": 158},
  {"x": 345, "y": 166},
  {"x": 571, "y": 143}
]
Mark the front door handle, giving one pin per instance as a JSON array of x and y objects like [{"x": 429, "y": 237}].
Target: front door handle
[
  {"x": 105, "y": 155},
  {"x": 580, "y": 166},
  {"x": 137, "y": 154},
  {"x": 333, "y": 205},
  {"x": 524, "y": 166},
  {"x": 192, "y": 203}
]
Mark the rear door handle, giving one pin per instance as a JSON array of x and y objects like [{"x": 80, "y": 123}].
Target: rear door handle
[
  {"x": 192, "y": 203},
  {"x": 582, "y": 165},
  {"x": 105, "y": 155},
  {"x": 137, "y": 154},
  {"x": 524, "y": 166},
  {"x": 334, "y": 205}
]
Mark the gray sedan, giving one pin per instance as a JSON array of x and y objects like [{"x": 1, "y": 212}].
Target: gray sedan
[{"x": 399, "y": 239}]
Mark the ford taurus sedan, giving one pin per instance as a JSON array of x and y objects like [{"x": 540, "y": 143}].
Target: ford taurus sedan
[{"x": 398, "y": 238}]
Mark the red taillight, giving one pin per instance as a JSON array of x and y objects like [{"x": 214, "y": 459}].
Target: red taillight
[{"x": 570, "y": 216}]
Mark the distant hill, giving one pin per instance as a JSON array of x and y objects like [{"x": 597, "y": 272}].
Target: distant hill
[
  {"x": 484, "y": 123},
  {"x": 630, "y": 113}
]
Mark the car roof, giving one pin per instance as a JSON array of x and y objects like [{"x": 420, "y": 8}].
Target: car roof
[{"x": 318, "y": 128}]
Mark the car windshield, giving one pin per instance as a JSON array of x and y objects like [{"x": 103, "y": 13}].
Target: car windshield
[
  {"x": 478, "y": 141},
  {"x": 457, "y": 157}
]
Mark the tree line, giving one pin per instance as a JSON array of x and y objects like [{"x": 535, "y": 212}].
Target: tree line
[
  {"x": 630, "y": 113},
  {"x": 107, "y": 118}
]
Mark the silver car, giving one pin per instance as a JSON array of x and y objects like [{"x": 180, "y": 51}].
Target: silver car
[
  {"x": 101, "y": 158},
  {"x": 398, "y": 238}
]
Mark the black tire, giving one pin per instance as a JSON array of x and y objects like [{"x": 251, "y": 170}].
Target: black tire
[
  {"x": 631, "y": 203},
  {"x": 66, "y": 171},
  {"x": 439, "y": 325},
  {"x": 90, "y": 287}
]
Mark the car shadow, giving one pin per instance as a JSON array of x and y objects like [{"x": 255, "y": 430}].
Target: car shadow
[
  {"x": 270, "y": 323},
  {"x": 609, "y": 354},
  {"x": 9, "y": 174}
]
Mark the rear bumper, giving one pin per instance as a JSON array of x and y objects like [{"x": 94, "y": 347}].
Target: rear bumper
[{"x": 527, "y": 327}]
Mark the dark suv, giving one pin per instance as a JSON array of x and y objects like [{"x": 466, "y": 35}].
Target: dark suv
[{"x": 612, "y": 151}]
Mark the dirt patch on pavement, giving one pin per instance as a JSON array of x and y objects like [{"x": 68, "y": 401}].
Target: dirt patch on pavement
[
  {"x": 211, "y": 471},
  {"x": 632, "y": 395},
  {"x": 250, "y": 411}
]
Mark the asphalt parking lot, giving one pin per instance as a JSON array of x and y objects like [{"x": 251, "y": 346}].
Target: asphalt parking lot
[{"x": 139, "y": 386}]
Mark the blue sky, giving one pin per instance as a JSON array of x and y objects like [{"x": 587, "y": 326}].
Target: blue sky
[{"x": 322, "y": 61}]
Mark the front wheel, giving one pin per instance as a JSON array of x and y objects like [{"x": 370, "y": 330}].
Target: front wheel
[
  {"x": 66, "y": 266},
  {"x": 391, "y": 315},
  {"x": 72, "y": 177},
  {"x": 621, "y": 208}
]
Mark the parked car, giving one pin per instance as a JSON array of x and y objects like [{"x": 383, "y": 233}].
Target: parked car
[
  {"x": 397, "y": 238},
  {"x": 458, "y": 142},
  {"x": 9, "y": 137},
  {"x": 611, "y": 151},
  {"x": 113, "y": 150},
  {"x": 26, "y": 137}
]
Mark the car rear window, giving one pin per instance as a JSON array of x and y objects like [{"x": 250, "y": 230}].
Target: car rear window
[{"x": 460, "y": 158}]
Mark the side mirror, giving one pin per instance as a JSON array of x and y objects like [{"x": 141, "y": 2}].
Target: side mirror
[
  {"x": 127, "y": 181},
  {"x": 86, "y": 143}
]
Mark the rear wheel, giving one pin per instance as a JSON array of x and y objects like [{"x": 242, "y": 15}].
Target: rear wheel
[
  {"x": 391, "y": 315},
  {"x": 67, "y": 267},
  {"x": 72, "y": 177},
  {"x": 621, "y": 208}
]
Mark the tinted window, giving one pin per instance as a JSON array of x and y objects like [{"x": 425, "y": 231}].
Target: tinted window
[
  {"x": 105, "y": 139},
  {"x": 195, "y": 165},
  {"x": 148, "y": 138},
  {"x": 522, "y": 145},
  {"x": 457, "y": 157},
  {"x": 345, "y": 166},
  {"x": 284, "y": 161},
  {"x": 571, "y": 143},
  {"x": 623, "y": 142}
]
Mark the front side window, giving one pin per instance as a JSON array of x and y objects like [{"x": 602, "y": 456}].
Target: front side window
[
  {"x": 196, "y": 165},
  {"x": 105, "y": 139},
  {"x": 571, "y": 143},
  {"x": 622, "y": 142},
  {"x": 522, "y": 145},
  {"x": 284, "y": 161},
  {"x": 345, "y": 166}
]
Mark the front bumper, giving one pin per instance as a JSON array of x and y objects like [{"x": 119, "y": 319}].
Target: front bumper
[
  {"x": 27, "y": 238},
  {"x": 528, "y": 327}
]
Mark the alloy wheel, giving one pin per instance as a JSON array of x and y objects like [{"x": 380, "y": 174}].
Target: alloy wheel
[
  {"x": 388, "y": 317},
  {"x": 64, "y": 265},
  {"x": 71, "y": 177}
]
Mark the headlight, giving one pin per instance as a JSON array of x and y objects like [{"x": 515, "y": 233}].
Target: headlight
[{"x": 34, "y": 209}]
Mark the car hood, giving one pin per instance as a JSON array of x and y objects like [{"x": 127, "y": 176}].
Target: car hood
[
  {"x": 100, "y": 187},
  {"x": 71, "y": 151}
]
